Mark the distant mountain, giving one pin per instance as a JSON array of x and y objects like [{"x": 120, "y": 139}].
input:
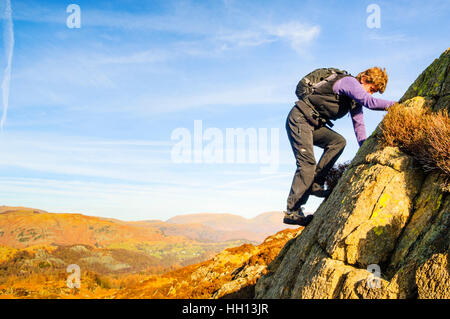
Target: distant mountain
[
  {"x": 154, "y": 245},
  {"x": 257, "y": 228},
  {"x": 22, "y": 227},
  {"x": 110, "y": 245},
  {"x": 37, "y": 246}
]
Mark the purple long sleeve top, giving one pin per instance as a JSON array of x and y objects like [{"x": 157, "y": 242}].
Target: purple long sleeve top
[{"x": 352, "y": 88}]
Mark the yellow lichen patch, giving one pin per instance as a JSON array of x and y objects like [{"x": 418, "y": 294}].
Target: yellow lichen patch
[{"x": 379, "y": 216}]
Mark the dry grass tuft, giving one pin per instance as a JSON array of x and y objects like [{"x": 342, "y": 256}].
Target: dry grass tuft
[{"x": 423, "y": 134}]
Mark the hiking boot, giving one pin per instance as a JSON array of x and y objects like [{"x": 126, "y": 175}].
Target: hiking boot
[
  {"x": 296, "y": 218},
  {"x": 319, "y": 191},
  {"x": 307, "y": 220}
]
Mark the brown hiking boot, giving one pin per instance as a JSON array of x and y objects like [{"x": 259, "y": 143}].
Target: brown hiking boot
[{"x": 297, "y": 218}]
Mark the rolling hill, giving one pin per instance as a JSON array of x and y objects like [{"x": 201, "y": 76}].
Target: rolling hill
[
  {"x": 108, "y": 245},
  {"x": 257, "y": 228},
  {"x": 37, "y": 246}
]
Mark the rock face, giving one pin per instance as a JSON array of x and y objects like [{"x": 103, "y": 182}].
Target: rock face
[
  {"x": 433, "y": 83},
  {"x": 384, "y": 232}
]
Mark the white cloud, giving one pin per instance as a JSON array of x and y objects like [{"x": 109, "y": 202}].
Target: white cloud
[
  {"x": 247, "y": 94},
  {"x": 244, "y": 38},
  {"x": 389, "y": 38},
  {"x": 299, "y": 35},
  {"x": 140, "y": 57},
  {"x": 137, "y": 175},
  {"x": 9, "y": 48}
]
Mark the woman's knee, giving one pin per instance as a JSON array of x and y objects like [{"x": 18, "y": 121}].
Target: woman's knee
[
  {"x": 339, "y": 142},
  {"x": 342, "y": 142}
]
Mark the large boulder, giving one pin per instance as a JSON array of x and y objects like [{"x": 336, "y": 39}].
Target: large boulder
[{"x": 384, "y": 232}]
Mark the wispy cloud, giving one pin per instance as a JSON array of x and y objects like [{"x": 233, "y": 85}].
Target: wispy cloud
[
  {"x": 389, "y": 38},
  {"x": 140, "y": 57},
  {"x": 243, "y": 38},
  {"x": 297, "y": 34},
  {"x": 185, "y": 18},
  {"x": 136, "y": 70},
  {"x": 114, "y": 177},
  {"x": 265, "y": 92},
  {"x": 9, "y": 49}
]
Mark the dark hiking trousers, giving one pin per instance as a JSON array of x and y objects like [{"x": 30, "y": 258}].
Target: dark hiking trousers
[{"x": 302, "y": 137}]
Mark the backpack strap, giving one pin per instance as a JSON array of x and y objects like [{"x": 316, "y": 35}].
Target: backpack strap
[
  {"x": 328, "y": 79},
  {"x": 311, "y": 114}
]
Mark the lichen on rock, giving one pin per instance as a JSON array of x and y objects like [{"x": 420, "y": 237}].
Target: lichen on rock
[{"x": 434, "y": 83}]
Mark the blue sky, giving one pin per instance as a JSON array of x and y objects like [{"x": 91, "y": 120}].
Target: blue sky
[{"x": 92, "y": 110}]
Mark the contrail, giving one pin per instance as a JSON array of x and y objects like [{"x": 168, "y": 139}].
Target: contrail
[{"x": 9, "y": 48}]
